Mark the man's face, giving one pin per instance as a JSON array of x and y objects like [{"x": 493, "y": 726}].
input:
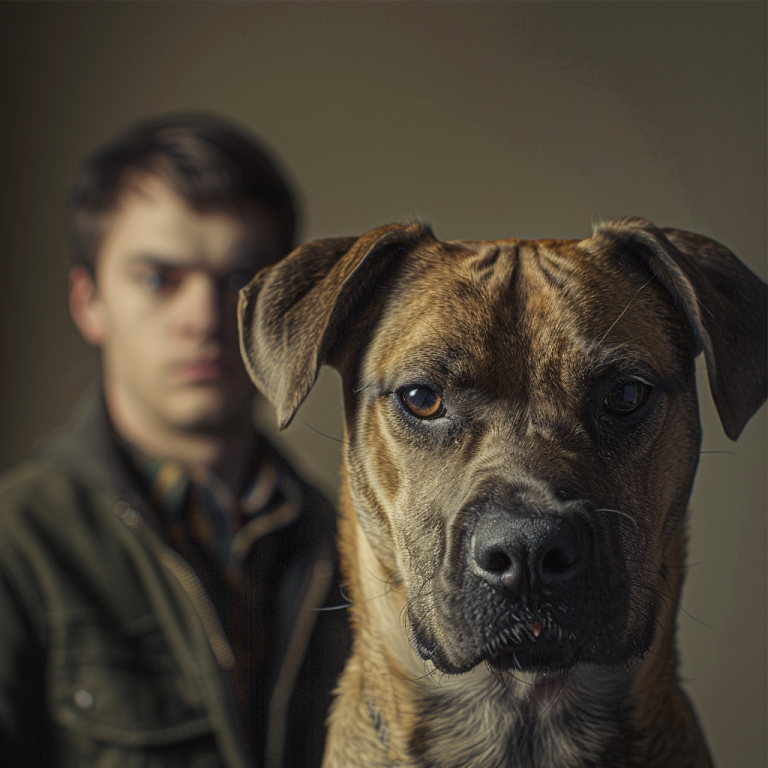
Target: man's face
[{"x": 164, "y": 308}]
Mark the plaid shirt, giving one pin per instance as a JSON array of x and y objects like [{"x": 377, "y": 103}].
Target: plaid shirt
[{"x": 215, "y": 533}]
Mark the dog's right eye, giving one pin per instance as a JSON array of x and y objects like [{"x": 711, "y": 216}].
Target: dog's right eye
[
  {"x": 422, "y": 402},
  {"x": 627, "y": 396}
]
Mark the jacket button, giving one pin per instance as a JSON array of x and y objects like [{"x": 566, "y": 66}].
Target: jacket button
[
  {"x": 84, "y": 699},
  {"x": 120, "y": 507},
  {"x": 126, "y": 512}
]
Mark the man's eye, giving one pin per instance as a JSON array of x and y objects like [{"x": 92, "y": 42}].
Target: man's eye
[
  {"x": 155, "y": 281},
  {"x": 161, "y": 281},
  {"x": 422, "y": 401}
]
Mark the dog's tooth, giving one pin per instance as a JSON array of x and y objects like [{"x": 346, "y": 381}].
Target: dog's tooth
[{"x": 536, "y": 628}]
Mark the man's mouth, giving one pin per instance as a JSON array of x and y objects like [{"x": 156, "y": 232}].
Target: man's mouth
[{"x": 202, "y": 370}]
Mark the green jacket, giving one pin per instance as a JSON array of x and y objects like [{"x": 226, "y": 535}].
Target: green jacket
[{"x": 111, "y": 653}]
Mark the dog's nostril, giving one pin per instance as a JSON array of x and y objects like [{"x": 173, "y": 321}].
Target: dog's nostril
[
  {"x": 558, "y": 561},
  {"x": 498, "y": 567},
  {"x": 495, "y": 554},
  {"x": 561, "y": 560},
  {"x": 495, "y": 561}
]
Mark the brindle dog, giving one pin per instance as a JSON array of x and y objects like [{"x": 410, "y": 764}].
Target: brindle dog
[{"x": 521, "y": 438}]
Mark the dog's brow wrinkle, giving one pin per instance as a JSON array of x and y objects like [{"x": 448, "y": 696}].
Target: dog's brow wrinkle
[
  {"x": 558, "y": 261},
  {"x": 485, "y": 259},
  {"x": 549, "y": 277},
  {"x": 550, "y": 268}
]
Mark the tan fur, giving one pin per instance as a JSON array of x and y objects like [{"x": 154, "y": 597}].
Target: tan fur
[{"x": 522, "y": 340}]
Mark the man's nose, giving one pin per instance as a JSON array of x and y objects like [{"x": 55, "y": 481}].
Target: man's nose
[{"x": 199, "y": 310}]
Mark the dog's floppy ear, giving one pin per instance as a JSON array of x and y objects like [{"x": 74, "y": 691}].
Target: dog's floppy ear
[
  {"x": 292, "y": 314},
  {"x": 724, "y": 302}
]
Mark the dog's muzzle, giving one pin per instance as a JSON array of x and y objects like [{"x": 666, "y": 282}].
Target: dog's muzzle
[{"x": 531, "y": 588}]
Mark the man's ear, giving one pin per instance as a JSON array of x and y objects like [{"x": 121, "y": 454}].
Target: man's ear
[
  {"x": 725, "y": 305},
  {"x": 85, "y": 306},
  {"x": 293, "y": 315}
]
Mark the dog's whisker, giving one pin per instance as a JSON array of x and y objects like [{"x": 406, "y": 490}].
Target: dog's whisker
[
  {"x": 427, "y": 673},
  {"x": 653, "y": 277},
  {"x": 667, "y": 644},
  {"x": 668, "y": 566},
  {"x": 658, "y": 593},
  {"x": 440, "y": 335},
  {"x": 346, "y": 604},
  {"x": 499, "y": 676},
  {"x": 365, "y": 388},
  {"x": 673, "y": 600},
  {"x": 642, "y": 565},
  {"x": 323, "y": 434},
  {"x": 619, "y": 512}
]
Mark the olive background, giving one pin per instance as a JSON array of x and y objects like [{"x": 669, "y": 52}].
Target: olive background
[{"x": 487, "y": 119}]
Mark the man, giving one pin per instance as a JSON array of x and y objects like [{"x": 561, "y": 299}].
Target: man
[{"x": 161, "y": 567}]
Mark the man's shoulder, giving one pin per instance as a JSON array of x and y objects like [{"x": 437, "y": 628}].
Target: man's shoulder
[
  {"x": 40, "y": 498},
  {"x": 31, "y": 483}
]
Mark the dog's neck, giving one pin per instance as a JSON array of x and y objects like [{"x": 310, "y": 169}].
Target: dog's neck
[{"x": 412, "y": 715}]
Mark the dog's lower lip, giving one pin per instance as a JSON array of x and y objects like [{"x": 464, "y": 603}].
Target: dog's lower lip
[
  {"x": 531, "y": 644},
  {"x": 534, "y": 658}
]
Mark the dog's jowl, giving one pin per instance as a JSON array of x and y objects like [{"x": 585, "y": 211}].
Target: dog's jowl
[{"x": 522, "y": 434}]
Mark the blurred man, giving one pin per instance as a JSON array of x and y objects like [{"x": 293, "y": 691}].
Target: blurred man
[{"x": 161, "y": 566}]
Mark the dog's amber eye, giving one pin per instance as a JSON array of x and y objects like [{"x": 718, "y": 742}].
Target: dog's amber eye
[
  {"x": 627, "y": 396},
  {"x": 422, "y": 402}
]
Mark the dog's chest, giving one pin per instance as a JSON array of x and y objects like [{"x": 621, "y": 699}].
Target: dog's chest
[{"x": 507, "y": 728}]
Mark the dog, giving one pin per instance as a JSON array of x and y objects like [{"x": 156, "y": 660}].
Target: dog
[{"x": 521, "y": 438}]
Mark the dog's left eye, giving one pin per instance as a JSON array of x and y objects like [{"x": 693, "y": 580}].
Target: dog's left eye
[
  {"x": 422, "y": 402},
  {"x": 627, "y": 396}
]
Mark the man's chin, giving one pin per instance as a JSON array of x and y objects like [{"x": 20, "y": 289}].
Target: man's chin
[{"x": 207, "y": 410}]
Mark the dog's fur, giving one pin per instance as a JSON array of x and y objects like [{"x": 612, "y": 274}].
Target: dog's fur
[{"x": 563, "y": 654}]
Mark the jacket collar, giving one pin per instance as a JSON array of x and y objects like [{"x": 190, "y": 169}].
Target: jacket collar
[{"x": 87, "y": 447}]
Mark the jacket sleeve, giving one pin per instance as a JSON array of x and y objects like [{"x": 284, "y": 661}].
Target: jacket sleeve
[{"x": 25, "y": 730}]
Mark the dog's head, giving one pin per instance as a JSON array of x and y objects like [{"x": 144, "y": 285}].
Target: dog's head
[{"x": 521, "y": 418}]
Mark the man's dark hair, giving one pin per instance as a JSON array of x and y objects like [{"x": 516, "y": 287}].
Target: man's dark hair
[{"x": 208, "y": 162}]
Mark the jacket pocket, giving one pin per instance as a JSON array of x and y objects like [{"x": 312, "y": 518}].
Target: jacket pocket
[{"x": 121, "y": 700}]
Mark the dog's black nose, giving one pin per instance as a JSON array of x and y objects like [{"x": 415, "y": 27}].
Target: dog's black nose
[{"x": 508, "y": 550}]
